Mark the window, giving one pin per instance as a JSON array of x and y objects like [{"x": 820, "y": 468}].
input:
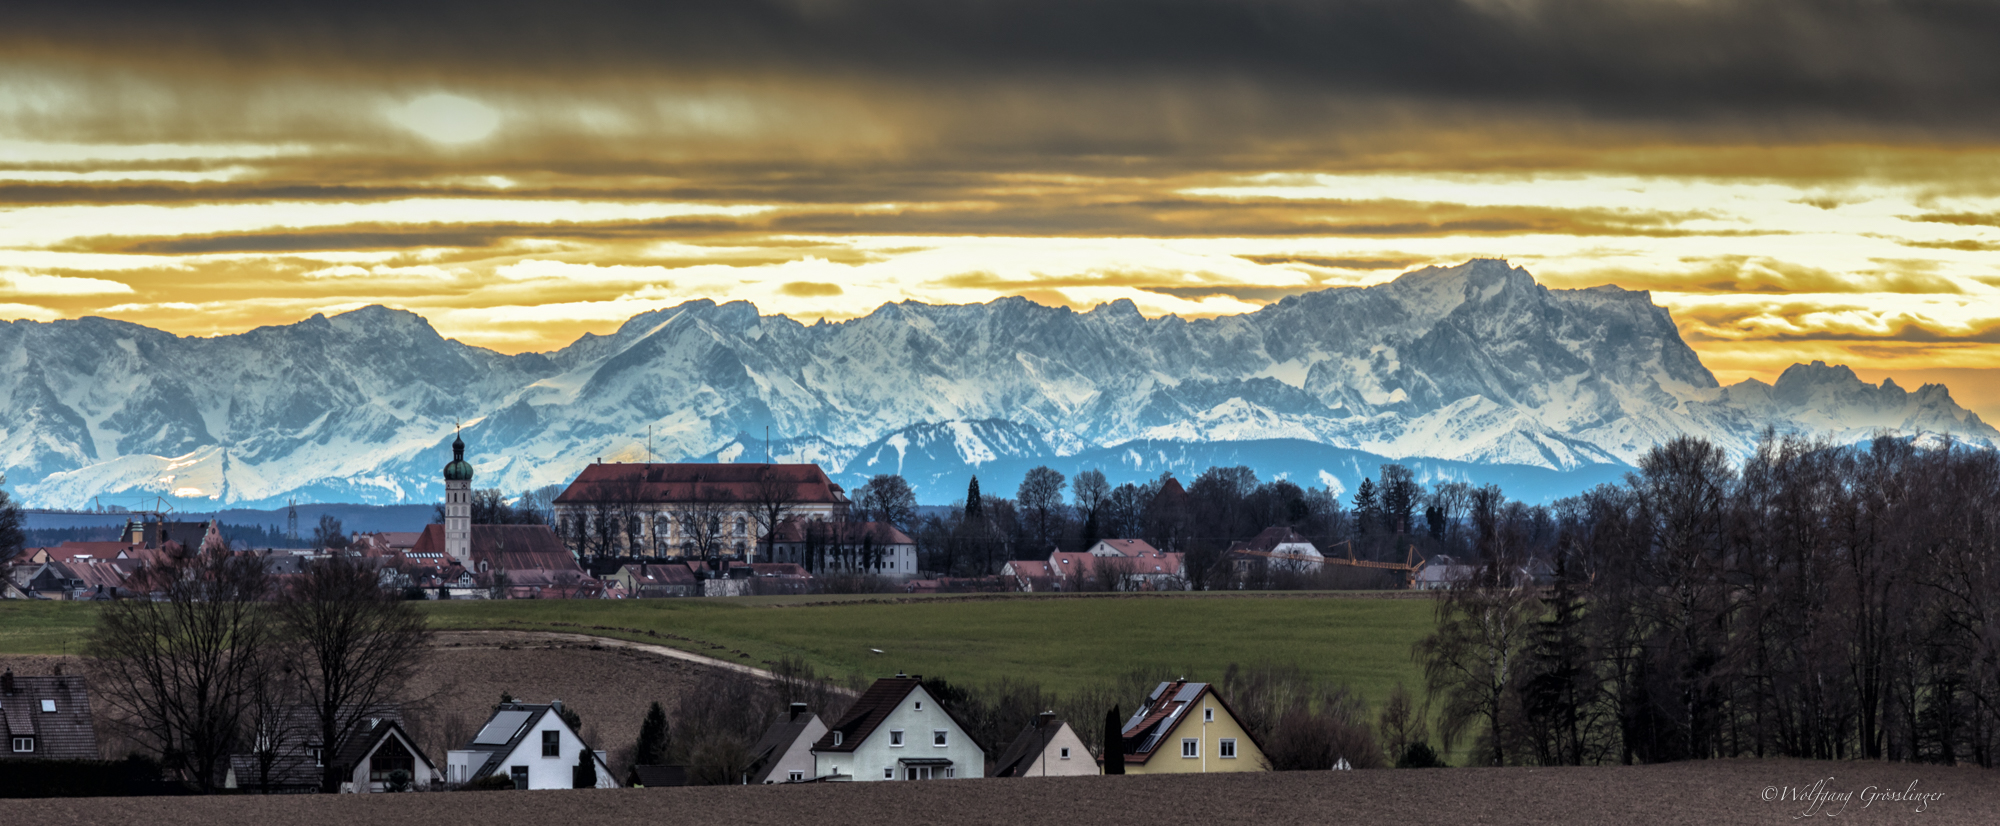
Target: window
[
  {"x": 24, "y": 745},
  {"x": 1065, "y": 753},
  {"x": 1208, "y": 715},
  {"x": 938, "y": 738},
  {"x": 795, "y": 776},
  {"x": 837, "y": 737},
  {"x": 520, "y": 776},
  {"x": 317, "y": 753},
  {"x": 1227, "y": 749},
  {"x": 920, "y": 705},
  {"x": 951, "y": 771},
  {"x": 551, "y": 744},
  {"x": 896, "y": 739},
  {"x": 48, "y": 706},
  {"x": 1190, "y": 747},
  {"x": 889, "y": 773}
]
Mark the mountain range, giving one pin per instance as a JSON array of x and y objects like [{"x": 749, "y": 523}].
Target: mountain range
[{"x": 1475, "y": 372}]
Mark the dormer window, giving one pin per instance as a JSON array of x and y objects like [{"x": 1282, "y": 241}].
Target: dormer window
[{"x": 24, "y": 745}]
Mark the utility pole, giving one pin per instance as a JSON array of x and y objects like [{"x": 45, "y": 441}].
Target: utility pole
[{"x": 767, "y": 444}]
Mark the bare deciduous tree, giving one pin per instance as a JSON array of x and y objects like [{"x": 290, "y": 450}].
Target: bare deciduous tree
[
  {"x": 356, "y": 648},
  {"x": 179, "y": 669}
]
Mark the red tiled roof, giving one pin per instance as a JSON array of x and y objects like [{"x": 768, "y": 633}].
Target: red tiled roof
[
  {"x": 507, "y": 547},
  {"x": 842, "y": 533},
  {"x": 1030, "y": 568},
  {"x": 806, "y": 484},
  {"x": 96, "y": 550},
  {"x": 1130, "y": 547}
]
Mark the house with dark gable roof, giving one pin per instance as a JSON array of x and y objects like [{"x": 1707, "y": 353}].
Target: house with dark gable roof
[
  {"x": 532, "y": 745},
  {"x": 286, "y": 755},
  {"x": 1048, "y": 747},
  {"x": 897, "y": 731},
  {"x": 784, "y": 754},
  {"x": 1185, "y": 727},
  {"x": 46, "y": 717}
]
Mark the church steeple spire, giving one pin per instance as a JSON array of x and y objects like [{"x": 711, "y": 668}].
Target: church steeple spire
[{"x": 458, "y": 504}]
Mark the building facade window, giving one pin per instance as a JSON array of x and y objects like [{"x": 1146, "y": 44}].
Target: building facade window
[
  {"x": 1065, "y": 753},
  {"x": 551, "y": 744},
  {"x": 1226, "y": 749},
  {"x": 938, "y": 737},
  {"x": 896, "y": 739},
  {"x": 795, "y": 776},
  {"x": 1208, "y": 715},
  {"x": 889, "y": 773},
  {"x": 1190, "y": 747}
]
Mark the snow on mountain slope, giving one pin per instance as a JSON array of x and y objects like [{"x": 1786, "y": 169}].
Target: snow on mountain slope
[{"x": 1475, "y": 364}]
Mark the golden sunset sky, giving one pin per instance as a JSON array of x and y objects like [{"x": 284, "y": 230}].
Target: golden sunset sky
[{"x": 1794, "y": 180}]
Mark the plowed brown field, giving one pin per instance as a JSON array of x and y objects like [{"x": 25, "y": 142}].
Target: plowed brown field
[{"x": 1718, "y": 792}]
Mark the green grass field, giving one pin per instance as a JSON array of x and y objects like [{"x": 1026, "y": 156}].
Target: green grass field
[{"x": 1062, "y": 643}]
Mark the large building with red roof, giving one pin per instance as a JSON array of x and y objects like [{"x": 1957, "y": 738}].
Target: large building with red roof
[{"x": 693, "y": 509}]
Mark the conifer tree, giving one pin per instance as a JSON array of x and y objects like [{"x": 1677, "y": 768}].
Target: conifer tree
[
  {"x": 972, "y": 504},
  {"x": 654, "y": 738},
  {"x": 1365, "y": 507},
  {"x": 1114, "y": 743}
]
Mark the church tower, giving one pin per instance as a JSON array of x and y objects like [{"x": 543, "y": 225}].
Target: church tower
[{"x": 458, "y": 505}]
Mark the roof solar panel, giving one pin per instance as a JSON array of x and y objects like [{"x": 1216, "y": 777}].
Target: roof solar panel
[
  {"x": 502, "y": 728},
  {"x": 1189, "y": 692}
]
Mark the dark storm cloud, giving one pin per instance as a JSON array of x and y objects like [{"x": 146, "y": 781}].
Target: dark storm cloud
[{"x": 1861, "y": 60}]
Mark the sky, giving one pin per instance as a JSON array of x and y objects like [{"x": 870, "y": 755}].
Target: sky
[{"x": 1793, "y": 180}]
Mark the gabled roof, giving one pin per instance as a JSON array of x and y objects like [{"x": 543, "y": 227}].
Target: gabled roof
[
  {"x": 1030, "y": 568},
  {"x": 1127, "y": 547},
  {"x": 507, "y": 547},
  {"x": 777, "y": 740},
  {"x": 1164, "y": 709},
  {"x": 1028, "y": 745},
  {"x": 873, "y": 707},
  {"x": 504, "y": 732},
  {"x": 619, "y": 482},
  {"x": 1270, "y": 538},
  {"x": 671, "y": 573},
  {"x": 63, "y": 733}
]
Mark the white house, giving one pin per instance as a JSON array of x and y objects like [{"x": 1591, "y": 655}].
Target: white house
[
  {"x": 1048, "y": 747},
  {"x": 784, "y": 753},
  {"x": 529, "y": 743},
  {"x": 897, "y": 731}
]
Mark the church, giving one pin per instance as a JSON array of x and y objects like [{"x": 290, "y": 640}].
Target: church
[{"x": 531, "y": 557}]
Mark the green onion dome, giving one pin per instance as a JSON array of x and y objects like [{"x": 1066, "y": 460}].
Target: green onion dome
[{"x": 459, "y": 470}]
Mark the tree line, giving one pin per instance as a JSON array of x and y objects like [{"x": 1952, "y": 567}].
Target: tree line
[{"x": 1815, "y": 601}]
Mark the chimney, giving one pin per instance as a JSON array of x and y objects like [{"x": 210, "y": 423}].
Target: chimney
[
  {"x": 7, "y": 681},
  {"x": 798, "y": 709},
  {"x": 1043, "y": 719}
]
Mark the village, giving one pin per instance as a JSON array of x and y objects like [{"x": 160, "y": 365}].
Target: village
[{"x": 679, "y": 531}]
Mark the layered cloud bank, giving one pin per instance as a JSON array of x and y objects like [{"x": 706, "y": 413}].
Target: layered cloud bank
[{"x": 1795, "y": 182}]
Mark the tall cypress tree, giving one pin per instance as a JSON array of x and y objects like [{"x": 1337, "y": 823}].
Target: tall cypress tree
[
  {"x": 973, "y": 508},
  {"x": 1114, "y": 743}
]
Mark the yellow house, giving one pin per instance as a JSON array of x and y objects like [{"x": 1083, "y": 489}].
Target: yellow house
[{"x": 1186, "y": 727}]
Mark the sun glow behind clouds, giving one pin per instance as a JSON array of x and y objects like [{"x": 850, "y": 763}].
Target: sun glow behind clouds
[{"x": 447, "y": 118}]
